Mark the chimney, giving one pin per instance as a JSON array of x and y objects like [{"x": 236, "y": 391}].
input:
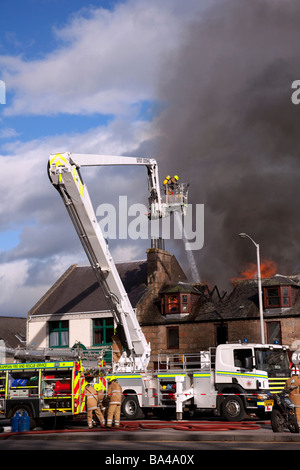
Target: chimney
[{"x": 163, "y": 268}]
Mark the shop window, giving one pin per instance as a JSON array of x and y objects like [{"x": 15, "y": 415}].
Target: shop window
[
  {"x": 173, "y": 337},
  {"x": 279, "y": 297},
  {"x": 103, "y": 330},
  {"x": 58, "y": 334}
]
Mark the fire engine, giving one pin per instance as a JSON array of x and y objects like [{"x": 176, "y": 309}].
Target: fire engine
[{"x": 47, "y": 383}]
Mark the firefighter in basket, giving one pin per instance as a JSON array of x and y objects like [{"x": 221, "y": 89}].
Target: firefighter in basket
[
  {"x": 93, "y": 399},
  {"x": 114, "y": 394},
  {"x": 170, "y": 184}
]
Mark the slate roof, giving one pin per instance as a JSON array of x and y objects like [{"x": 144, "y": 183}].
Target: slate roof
[
  {"x": 77, "y": 290},
  {"x": 10, "y": 327},
  {"x": 240, "y": 304}
]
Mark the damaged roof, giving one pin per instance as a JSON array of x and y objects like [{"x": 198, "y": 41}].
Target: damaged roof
[{"x": 241, "y": 304}]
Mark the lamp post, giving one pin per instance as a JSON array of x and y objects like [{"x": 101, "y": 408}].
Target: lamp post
[{"x": 244, "y": 235}]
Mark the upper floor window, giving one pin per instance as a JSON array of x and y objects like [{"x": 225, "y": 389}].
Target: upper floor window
[
  {"x": 59, "y": 334},
  {"x": 280, "y": 296},
  {"x": 103, "y": 330},
  {"x": 176, "y": 303}
]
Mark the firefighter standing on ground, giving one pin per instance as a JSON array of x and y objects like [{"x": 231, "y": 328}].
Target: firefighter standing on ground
[
  {"x": 93, "y": 398},
  {"x": 114, "y": 393},
  {"x": 294, "y": 383}
]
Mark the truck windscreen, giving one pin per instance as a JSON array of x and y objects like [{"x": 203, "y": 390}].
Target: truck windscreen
[{"x": 273, "y": 361}]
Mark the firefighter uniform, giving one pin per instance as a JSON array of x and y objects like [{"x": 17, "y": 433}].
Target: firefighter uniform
[
  {"x": 114, "y": 393},
  {"x": 294, "y": 395},
  {"x": 92, "y": 401},
  {"x": 170, "y": 183}
]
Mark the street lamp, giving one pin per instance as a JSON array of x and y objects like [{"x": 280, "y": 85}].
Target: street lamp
[{"x": 244, "y": 235}]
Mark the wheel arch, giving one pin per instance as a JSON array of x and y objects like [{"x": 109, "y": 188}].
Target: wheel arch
[{"x": 227, "y": 389}]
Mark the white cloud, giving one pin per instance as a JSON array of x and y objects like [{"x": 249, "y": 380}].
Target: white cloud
[
  {"x": 127, "y": 253},
  {"x": 105, "y": 62}
]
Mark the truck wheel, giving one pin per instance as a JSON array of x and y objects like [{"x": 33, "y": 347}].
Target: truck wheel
[
  {"x": 131, "y": 408},
  {"x": 233, "y": 408}
]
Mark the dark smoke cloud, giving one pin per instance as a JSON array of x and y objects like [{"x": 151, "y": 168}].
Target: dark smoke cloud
[{"x": 231, "y": 130}]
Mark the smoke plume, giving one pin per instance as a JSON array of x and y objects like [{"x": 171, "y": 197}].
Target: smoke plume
[{"x": 231, "y": 130}]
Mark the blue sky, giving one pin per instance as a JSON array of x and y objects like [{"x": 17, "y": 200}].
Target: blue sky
[{"x": 80, "y": 76}]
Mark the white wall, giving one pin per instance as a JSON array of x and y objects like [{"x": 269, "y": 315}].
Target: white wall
[{"x": 80, "y": 328}]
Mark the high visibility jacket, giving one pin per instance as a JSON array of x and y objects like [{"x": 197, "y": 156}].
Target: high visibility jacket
[{"x": 114, "y": 393}]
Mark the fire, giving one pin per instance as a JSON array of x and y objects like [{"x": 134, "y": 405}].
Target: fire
[{"x": 268, "y": 268}]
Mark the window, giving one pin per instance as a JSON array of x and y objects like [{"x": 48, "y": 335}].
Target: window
[
  {"x": 184, "y": 303},
  {"x": 274, "y": 332},
  {"x": 103, "y": 330},
  {"x": 243, "y": 358},
  {"x": 59, "y": 334},
  {"x": 172, "y": 304},
  {"x": 178, "y": 303},
  {"x": 173, "y": 337},
  {"x": 277, "y": 297}
]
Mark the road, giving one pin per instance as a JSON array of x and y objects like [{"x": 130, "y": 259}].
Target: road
[{"x": 154, "y": 438}]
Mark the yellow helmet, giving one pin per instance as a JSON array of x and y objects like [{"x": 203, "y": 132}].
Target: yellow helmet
[
  {"x": 111, "y": 378},
  {"x": 176, "y": 177}
]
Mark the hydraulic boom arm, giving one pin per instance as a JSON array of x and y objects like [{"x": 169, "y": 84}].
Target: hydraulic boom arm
[{"x": 64, "y": 173}]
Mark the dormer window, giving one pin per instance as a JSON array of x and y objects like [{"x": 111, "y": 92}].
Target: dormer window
[
  {"x": 278, "y": 297},
  {"x": 179, "y": 300}
]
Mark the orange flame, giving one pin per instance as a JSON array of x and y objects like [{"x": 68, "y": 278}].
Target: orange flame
[{"x": 268, "y": 268}]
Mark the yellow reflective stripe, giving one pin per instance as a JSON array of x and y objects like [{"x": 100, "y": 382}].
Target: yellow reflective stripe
[
  {"x": 170, "y": 375},
  {"x": 259, "y": 376},
  {"x": 59, "y": 160},
  {"x": 37, "y": 365},
  {"x": 126, "y": 376},
  {"x": 78, "y": 181},
  {"x": 277, "y": 384}
]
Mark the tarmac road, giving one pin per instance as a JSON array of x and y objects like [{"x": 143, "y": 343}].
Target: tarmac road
[{"x": 151, "y": 438}]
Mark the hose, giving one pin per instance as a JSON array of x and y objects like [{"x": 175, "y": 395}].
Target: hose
[{"x": 136, "y": 426}]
